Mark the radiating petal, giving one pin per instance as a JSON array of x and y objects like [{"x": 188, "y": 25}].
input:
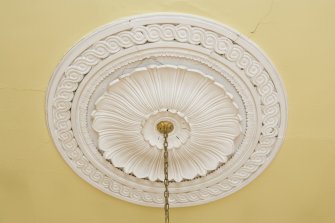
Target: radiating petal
[{"x": 206, "y": 118}]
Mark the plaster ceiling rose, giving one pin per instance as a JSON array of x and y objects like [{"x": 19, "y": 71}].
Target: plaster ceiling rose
[{"x": 223, "y": 96}]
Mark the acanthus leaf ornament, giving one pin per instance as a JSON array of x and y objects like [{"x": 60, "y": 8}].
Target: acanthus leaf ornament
[{"x": 203, "y": 136}]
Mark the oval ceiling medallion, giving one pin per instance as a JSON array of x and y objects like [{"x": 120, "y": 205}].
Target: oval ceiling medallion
[{"x": 223, "y": 96}]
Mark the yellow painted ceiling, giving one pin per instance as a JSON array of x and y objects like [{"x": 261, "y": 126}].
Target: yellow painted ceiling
[{"x": 36, "y": 186}]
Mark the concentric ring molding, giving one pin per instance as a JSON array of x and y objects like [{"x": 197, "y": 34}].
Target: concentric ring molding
[{"x": 170, "y": 43}]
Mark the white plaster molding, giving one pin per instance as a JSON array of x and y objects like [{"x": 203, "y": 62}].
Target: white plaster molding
[
  {"x": 81, "y": 84},
  {"x": 206, "y": 122}
]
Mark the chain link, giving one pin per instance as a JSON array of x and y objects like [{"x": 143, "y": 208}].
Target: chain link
[{"x": 166, "y": 179}]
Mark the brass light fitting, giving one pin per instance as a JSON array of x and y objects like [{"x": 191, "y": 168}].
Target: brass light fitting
[{"x": 165, "y": 127}]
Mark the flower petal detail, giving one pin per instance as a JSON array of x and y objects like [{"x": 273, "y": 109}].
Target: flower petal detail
[{"x": 206, "y": 122}]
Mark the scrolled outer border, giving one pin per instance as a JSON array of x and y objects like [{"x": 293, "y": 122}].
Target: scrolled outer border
[{"x": 189, "y": 29}]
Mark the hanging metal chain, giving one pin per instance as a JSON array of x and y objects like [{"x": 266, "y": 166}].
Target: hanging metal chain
[
  {"x": 165, "y": 127},
  {"x": 166, "y": 178}
]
